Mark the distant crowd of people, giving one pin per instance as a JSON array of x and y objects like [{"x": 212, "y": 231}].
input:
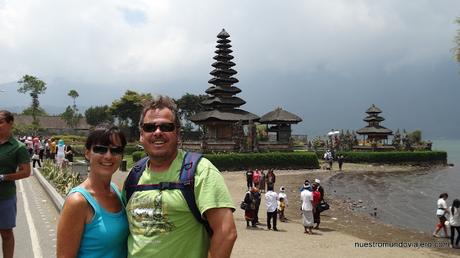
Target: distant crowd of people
[
  {"x": 448, "y": 218},
  {"x": 41, "y": 148},
  {"x": 311, "y": 196}
]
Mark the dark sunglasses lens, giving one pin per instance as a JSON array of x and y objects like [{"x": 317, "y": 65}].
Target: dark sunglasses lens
[
  {"x": 100, "y": 149},
  {"x": 116, "y": 150},
  {"x": 167, "y": 127},
  {"x": 151, "y": 127}
]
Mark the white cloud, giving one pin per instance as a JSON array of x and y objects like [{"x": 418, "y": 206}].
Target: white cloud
[{"x": 168, "y": 45}]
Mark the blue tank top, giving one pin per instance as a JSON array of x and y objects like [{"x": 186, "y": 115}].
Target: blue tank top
[{"x": 107, "y": 233}]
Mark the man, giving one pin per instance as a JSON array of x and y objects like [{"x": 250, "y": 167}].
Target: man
[
  {"x": 160, "y": 222},
  {"x": 271, "y": 200},
  {"x": 307, "y": 210},
  {"x": 13, "y": 155}
]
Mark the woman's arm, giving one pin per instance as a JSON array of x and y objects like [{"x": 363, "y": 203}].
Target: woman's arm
[{"x": 71, "y": 225}]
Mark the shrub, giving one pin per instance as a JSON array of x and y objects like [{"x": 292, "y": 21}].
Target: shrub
[
  {"x": 138, "y": 155},
  {"x": 62, "y": 179},
  {"x": 275, "y": 160}
]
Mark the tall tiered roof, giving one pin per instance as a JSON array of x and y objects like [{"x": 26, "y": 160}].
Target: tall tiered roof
[{"x": 222, "y": 104}]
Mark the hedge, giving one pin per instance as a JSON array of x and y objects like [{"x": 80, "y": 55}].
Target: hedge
[
  {"x": 138, "y": 155},
  {"x": 396, "y": 157},
  {"x": 275, "y": 160}
]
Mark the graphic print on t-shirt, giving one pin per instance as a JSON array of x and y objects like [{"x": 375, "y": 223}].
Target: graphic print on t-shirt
[{"x": 148, "y": 216}]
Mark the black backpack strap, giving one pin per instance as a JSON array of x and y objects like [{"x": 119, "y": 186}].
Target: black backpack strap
[
  {"x": 133, "y": 177},
  {"x": 187, "y": 177}
]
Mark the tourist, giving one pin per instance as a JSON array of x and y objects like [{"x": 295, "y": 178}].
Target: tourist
[
  {"x": 53, "y": 149},
  {"x": 262, "y": 182},
  {"x": 316, "y": 201},
  {"x": 36, "y": 159},
  {"x": 68, "y": 153},
  {"x": 93, "y": 220},
  {"x": 172, "y": 230},
  {"x": 441, "y": 213},
  {"x": 340, "y": 159},
  {"x": 454, "y": 221},
  {"x": 282, "y": 195},
  {"x": 320, "y": 188},
  {"x": 249, "y": 174},
  {"x": 281, "y": 208},
  {"x": 256, "y": 177},
  {"x": 16, "y": 167},
  {"x": 307, "y": 210},
  {"x": 258, "y": 198},
  {"x": 271, "y": 178},
  {"x": 60, "y": 153},
  {"x": 47, "y": 149},
  {"x": 329, "y": 158},
  {"x": 250, "y": 211},
  {"x": 271, "y": 201}
]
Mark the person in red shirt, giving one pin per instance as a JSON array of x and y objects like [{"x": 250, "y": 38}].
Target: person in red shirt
[{"x": 316, "y": 201}]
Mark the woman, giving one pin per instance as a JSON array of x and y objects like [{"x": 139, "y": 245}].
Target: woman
[
  {"x": 441, "y": 212},
  {"x": 93, "y": 221},
  {"x": 250, "y": 211},
  {"x": 68, "y": 153},
  {"x": 60, "y": 153},
  {"x": 454, "y": 221}
]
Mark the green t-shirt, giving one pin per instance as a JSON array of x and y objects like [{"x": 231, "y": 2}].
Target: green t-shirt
[
  {"x": 162, "y": 225},
  {"x": 12, "y": 153}
]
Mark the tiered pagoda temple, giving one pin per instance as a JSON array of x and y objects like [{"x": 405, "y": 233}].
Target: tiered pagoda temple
[
  {"x": 222, "y": 120},
  {"x": 374, "y": 132}
]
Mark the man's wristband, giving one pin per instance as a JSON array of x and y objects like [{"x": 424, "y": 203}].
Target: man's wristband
[{"x": 2, "y": 178}]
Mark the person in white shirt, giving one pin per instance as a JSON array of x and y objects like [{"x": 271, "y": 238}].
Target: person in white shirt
[
  {"x": 271, "y": 200},
  {"x": 307, "y": 211},
  {"x": 454, "y": 221},
  {"x": 441, "y": 212}
]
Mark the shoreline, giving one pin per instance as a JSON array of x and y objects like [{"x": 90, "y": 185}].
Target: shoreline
[{"x": 340, "y": 219}]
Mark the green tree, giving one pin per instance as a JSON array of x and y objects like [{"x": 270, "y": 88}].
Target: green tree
[
  {"x": 188, "y": 105},
  {"x": 415, "y": 137},
  {"x": 127, "y": 110},
  {"x": 40, "y": 112},
  {"x": 73, "y": 94},
  {"x": 70, "y": 117},
  {"x": 35, "y": 87},
  {"x": 98, "y": 114}
]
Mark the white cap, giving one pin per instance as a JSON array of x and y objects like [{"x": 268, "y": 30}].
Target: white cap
[{"x": 317, "y": 180}]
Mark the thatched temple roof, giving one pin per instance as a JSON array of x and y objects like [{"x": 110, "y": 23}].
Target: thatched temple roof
[{"x": 280, "y": 116}]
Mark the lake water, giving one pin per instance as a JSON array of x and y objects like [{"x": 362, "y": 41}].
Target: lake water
[{"x": 403, "y": 199}]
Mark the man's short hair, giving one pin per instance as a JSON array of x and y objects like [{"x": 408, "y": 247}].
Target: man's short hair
[
  {"x": 160, "y": 102},
  {"x": 8, "y": 116}
]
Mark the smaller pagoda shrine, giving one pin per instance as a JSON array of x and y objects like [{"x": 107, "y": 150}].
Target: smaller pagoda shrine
[
  {"x": 278, "y": 123},
  {"x": 222, "y": 120},
  {"x": 374, "y": 132}
]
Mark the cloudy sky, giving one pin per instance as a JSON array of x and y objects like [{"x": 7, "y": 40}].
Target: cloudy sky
[{"x": 326, "y": 61}]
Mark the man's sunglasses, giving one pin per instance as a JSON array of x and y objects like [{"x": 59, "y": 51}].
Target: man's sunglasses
[
  {"x": 100, "y": 149},
  {"x": 152, "y": 127}
]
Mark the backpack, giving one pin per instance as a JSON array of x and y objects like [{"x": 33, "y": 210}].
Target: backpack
[{"x": 186, "y": 183}]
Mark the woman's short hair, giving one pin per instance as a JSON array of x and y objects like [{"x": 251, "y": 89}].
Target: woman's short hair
[
  {"x": 103, "y": 134},
  {"x": 8, "y": 116}
]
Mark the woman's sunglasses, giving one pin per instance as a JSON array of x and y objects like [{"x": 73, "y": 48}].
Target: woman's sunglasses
[
  {"x": 152, "y": 127},
  {"x": 100, "y": 149}
]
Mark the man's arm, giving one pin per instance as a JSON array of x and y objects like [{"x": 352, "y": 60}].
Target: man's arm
[
  {"x": 224, "y": 232},
  {"x": 23, "y": 172}
]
